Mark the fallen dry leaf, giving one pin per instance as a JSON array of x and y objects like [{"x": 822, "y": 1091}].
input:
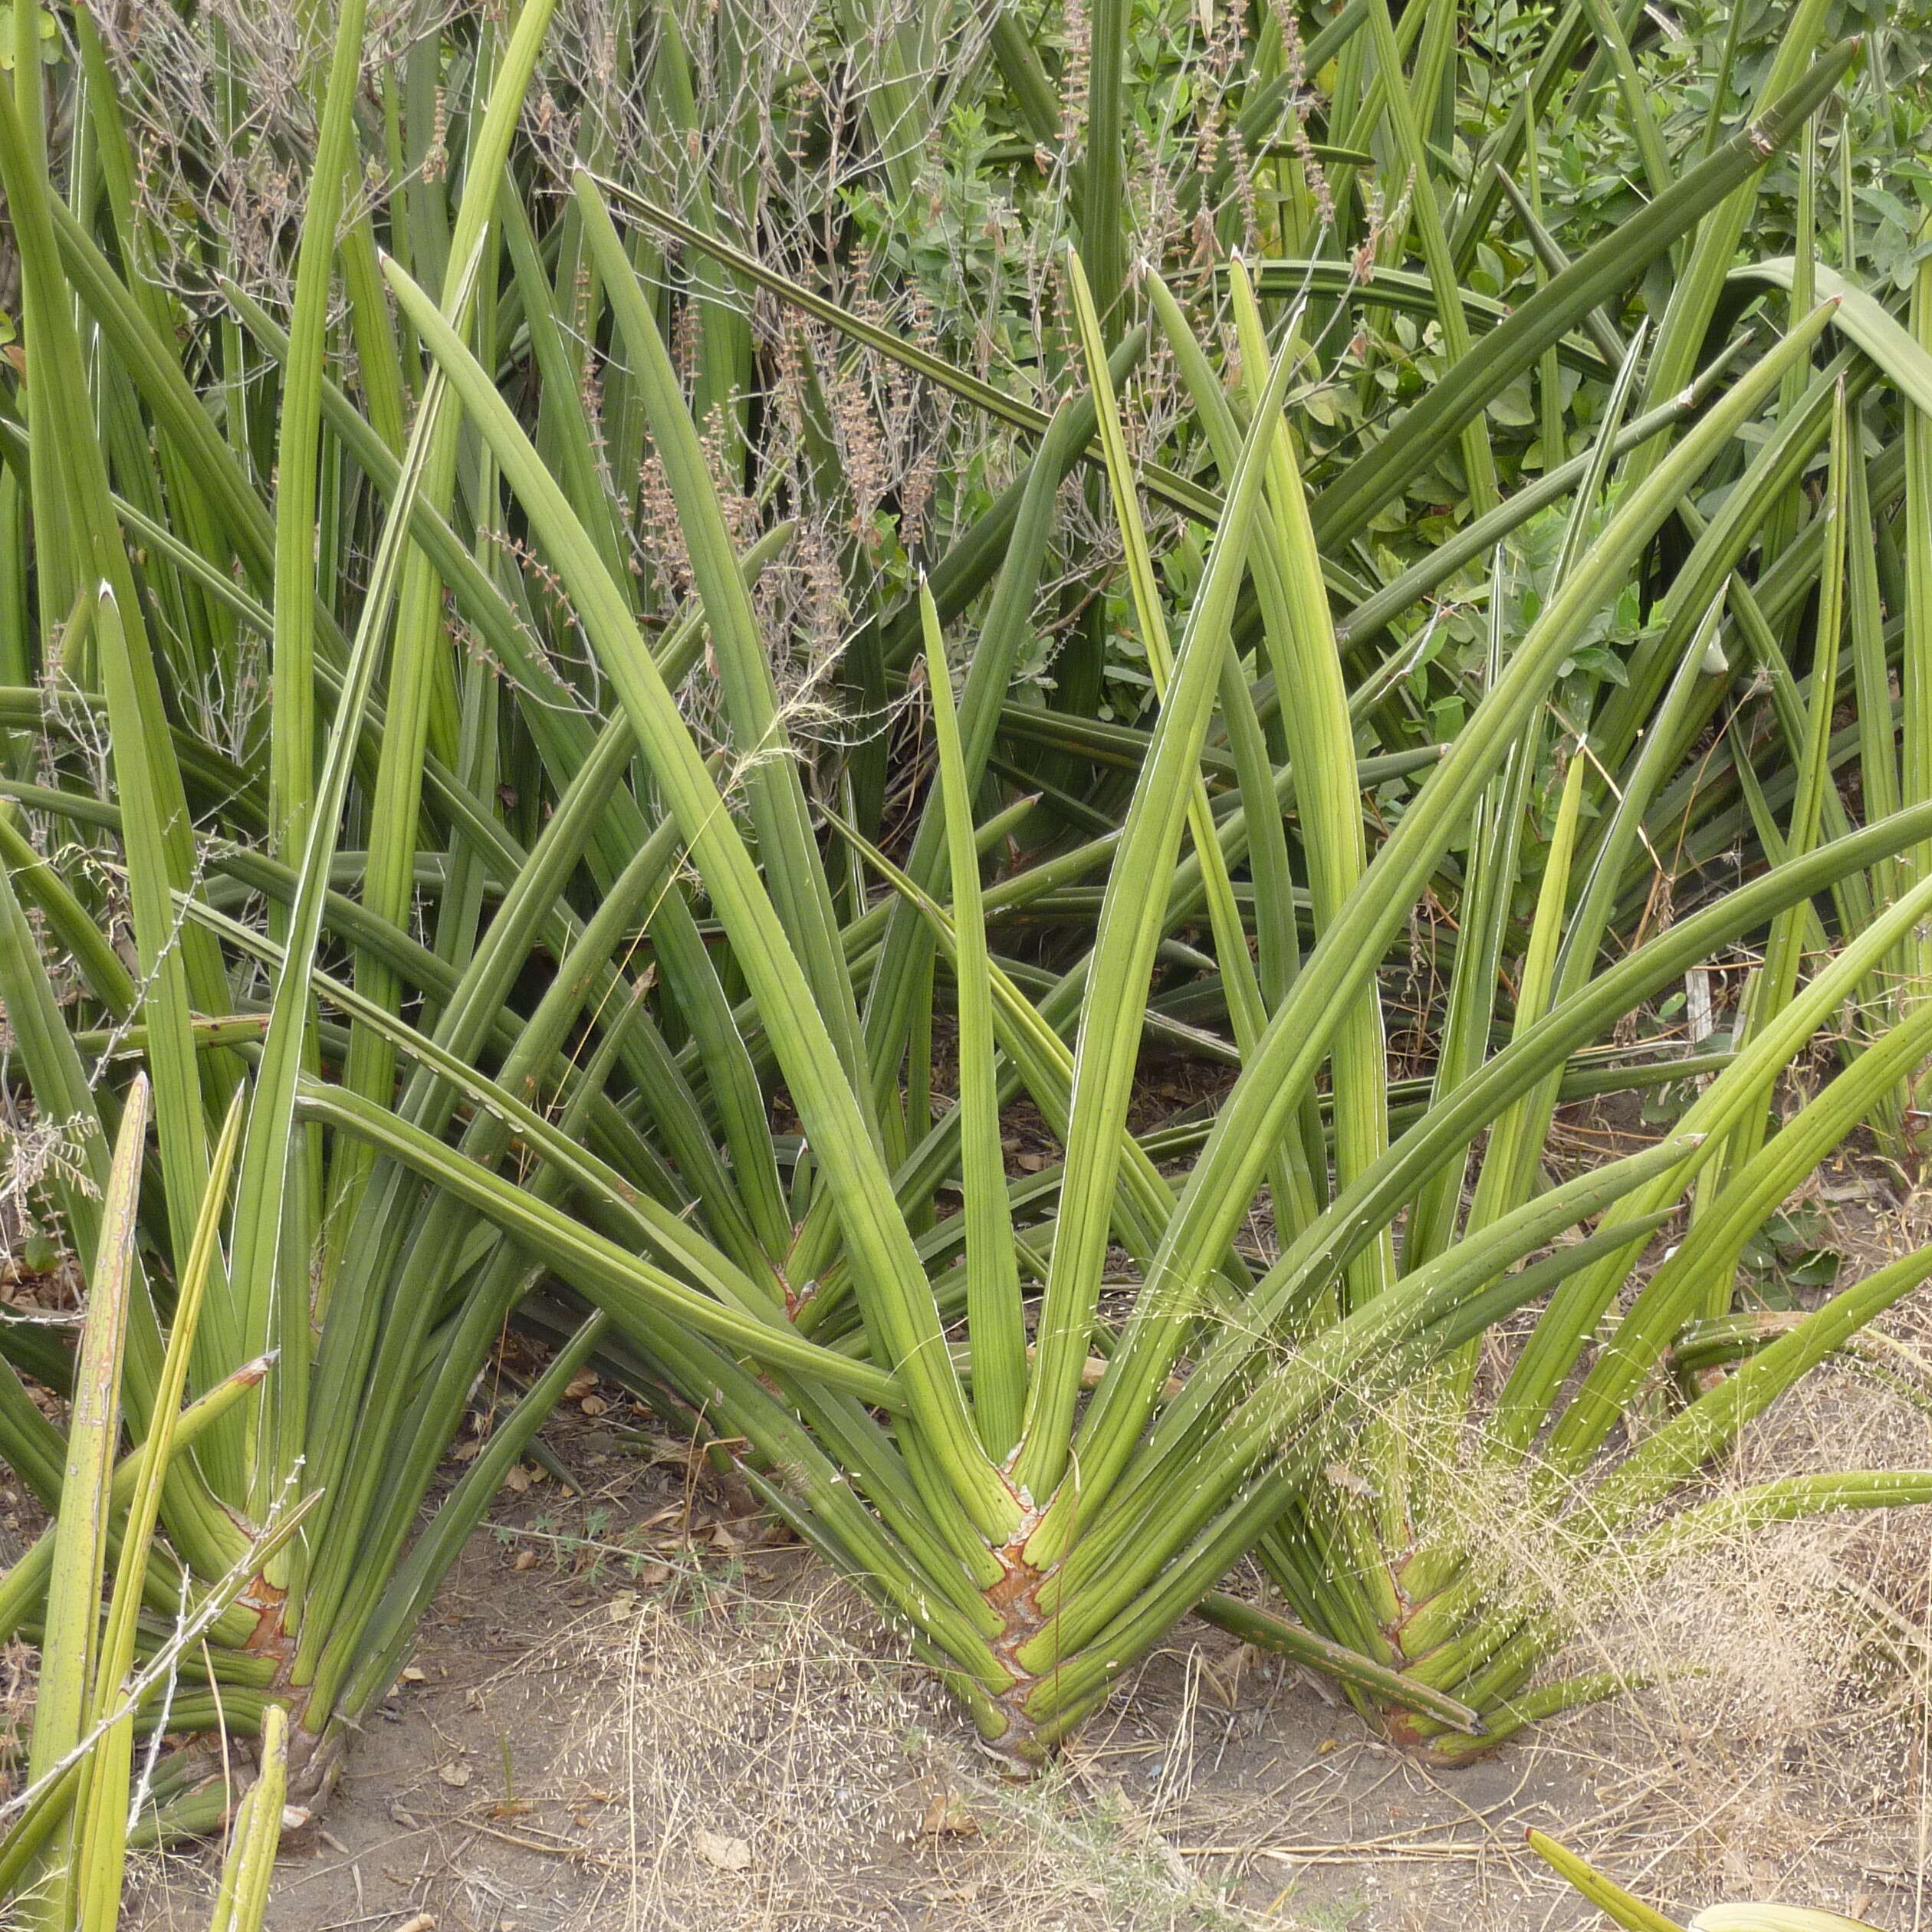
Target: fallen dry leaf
[
  {"x": 593, "y": 1405},
  {"x": 947, "y": 1816},
  {"x": 721, "y": 1853}
]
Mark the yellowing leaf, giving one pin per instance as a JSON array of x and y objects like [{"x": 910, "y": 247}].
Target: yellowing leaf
[{"x": 1773, "y": 1918}]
